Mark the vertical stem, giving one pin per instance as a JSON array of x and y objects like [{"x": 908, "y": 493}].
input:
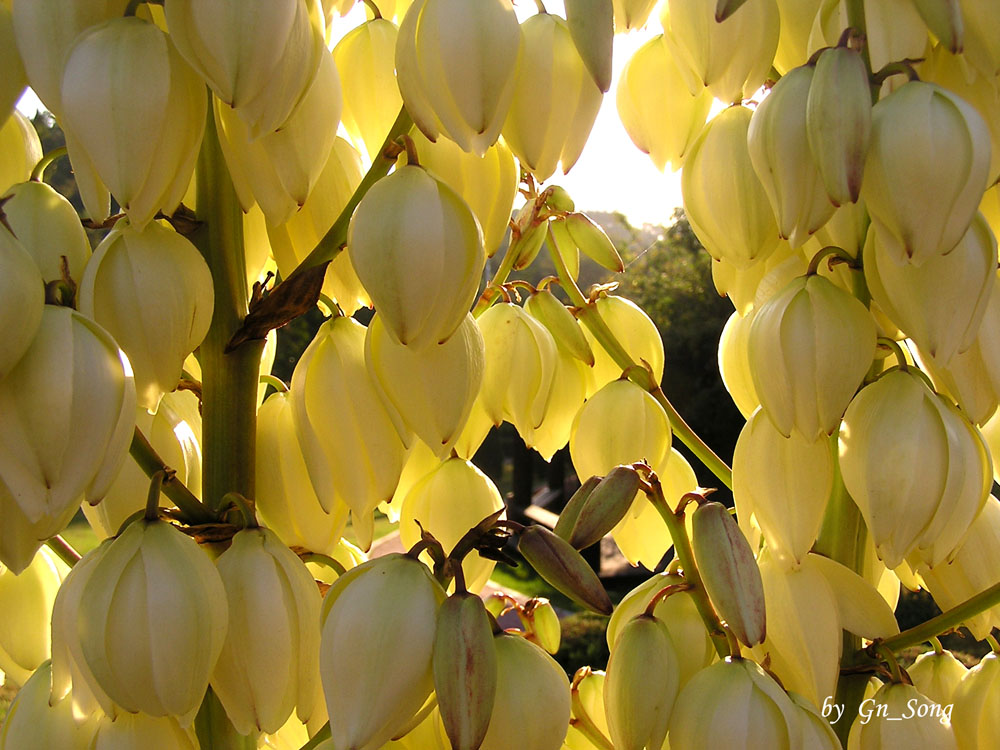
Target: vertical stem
[{"x": 229, "y": 381}]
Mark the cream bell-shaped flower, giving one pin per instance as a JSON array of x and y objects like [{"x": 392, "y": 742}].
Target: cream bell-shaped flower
[
  {"x": 134, "y": 114},
  {"x": 659, "y": 113},
  {"x": 48, "y": 227},
  {"x": 781, "y": 156},
  {"x": 365, "y": 58},
  {"x": 258, "y": 57},
  {"x": 793, "y": 37},
  {"x": 292, "y": 241},
  {"x": 786, "y": 481},
  {"x": 734, "y": 704},
  {"x": 22, "y": 299},
  {"x": 902, "y": 717},
  {"x": 25, "y": 613},
  {"x": 569, "y": 391},
  {"x": 751, "y": 286},
  {"x": 268, "y": 664},
  {"x": 286, "y": 501},
  {"x": 937, "y": 675},
  {"x": 532, "y": 706},
  {"x": 68, "y": 411},
  {"x": 520, "y": 372},
  {"x": 456, "y": 63},
  {"x": 973, "y": 569},
  {"x": 279, "y": 169},
  {"x": 631, "y": 14},
  {"x": 15, "y": 80},
  {"x": 940, "y": 303},
  {"x": 34, "y": 720},
  {"x": 429, "y": 391},
  {"x": 731, "y": 58},
  {"x": 21, "y": 149},
  {"x": 635, "y": 331},
  {"x": 734, "y": 364},
  {"x": 351, "y": 444},
  {"x": 45, "y": 31},
  {"x": 555, "y": 99},
  {"x": 448, "y": 502},
  {"x": 364, "y": 639},
  {"x": 152, "y": 290},
  {"x": 926, "y": 170},
  {"x": 809, "y": 348},
  {"x": 678, "y": 613},
  {"x": 923, "y": 494},
  {"x": 973, "y": 718},
  {"x": 620, "y": 424},
  {"x": 175, "y": 434},
  {"x": 488, "y": 183},
  {"x": 724, "y": 199},
  {"x": 418, "y": 250},
  {"x": 151, "y": 621}
]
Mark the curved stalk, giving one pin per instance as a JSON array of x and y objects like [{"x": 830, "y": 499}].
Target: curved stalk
[
  {"x": 150, "y": 463},
  {"x": 63, "y": 550},
  {"x": 589, "y": 316},
  {"x": 38, "y": 172},
  {"x": 945, "y": 621}
]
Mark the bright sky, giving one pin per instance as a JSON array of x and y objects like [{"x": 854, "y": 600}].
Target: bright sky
[{"x": 612, "y": 174}]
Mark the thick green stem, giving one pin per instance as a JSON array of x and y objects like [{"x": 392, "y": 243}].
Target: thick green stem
[
  {"x": 590, "y": 317},
  {"x": 229, "y": 381},
  {"x": 334, "y": 240},
  {"x": 320, "y": 736},
  {"x": 38, "y": 173},
  {"x": 506, "y": 264},
  {"x": 682, "y": 548}
]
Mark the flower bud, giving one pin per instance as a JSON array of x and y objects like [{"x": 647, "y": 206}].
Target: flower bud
[
  {"x": 365, "y": 58},
  {"x": 134, "y": 114},
  {"x": 641, "y": 684},
  {"x": 594, "y": 242},
  {"x": 712, "y": 710},
  {"x": 733, "y": 57},
  {"x": 333, "y": 396},
  {"x": 546, "y": 308},
  {"x": 894, "y": 31},
  {"x": 550, "y": 125},
  {"x": 940, "y": 303},
  {"x": 786, "y": 482},
  {"x": 74, "y": 388},
  {"x": 724, "y": 199},
  {"x": 49, "y": 228},
  {"x": 839, "y": 122},
  {"x": 286, "y": 501},
  {"x": 259, "y": 57},
  {"x": 780, "y": 154},
  {"x": 532, "y": 706},
  {"x": 465, "y": 669},
  {"x": 267, "y": 667},
  {"x": 925, "y": 499},
  {"x": 151, "y": 621},
  {"x": 901, "y": 717},
  {"x": 728, "y": 569},
  {"x": 926, "y": 170},
  {"x": 734, "y": 364},
  {"x": 418, "y": 250},
  {"x": 605, "y": 506},
  {"x": 22, "y": 298},
  {"x": 809, "y": 348},
  {"x": 563, "y": 567},
  {"x": 364, "y": 639},
  {"x": 658, "y": 111},
  {"x": 448, "y": 502},
  {"x": 973, "y": 717},
  {"x": 817, "y": 734},
  {"x": 152, "y": 290},
  {"x": 449, "y": 86},
  {"x": 139, "y": 730},
  {"x": 431, "y": 390},
  {"x": 541, "y": 623}
]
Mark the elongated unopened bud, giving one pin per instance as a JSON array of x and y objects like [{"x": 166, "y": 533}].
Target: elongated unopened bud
[
  {"x": 465, "y": 669},
  {"x": 594, "y": 242},
  {"x": 729, "y": 571},
  {"x": 546, "y": 308},
  {"x": 605, "y": 507},
  {"x": 555, "y": 560},
  {"x": 542, "y": 623},
  {"x": 567, "y": 519}
]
